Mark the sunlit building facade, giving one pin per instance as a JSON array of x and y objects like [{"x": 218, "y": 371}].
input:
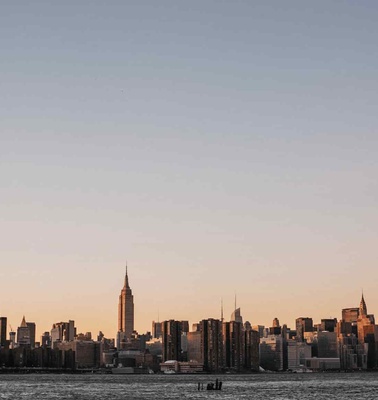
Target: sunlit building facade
[{"x": 125, "y": 313}]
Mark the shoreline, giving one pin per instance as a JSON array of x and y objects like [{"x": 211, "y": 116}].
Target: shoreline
[{"x": 51, "y": 371}]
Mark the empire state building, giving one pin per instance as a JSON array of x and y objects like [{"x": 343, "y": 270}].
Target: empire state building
[{"x": 125, "y": 312}]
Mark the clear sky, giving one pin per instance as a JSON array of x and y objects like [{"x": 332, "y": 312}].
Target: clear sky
[{"x": 218, "y": 146}]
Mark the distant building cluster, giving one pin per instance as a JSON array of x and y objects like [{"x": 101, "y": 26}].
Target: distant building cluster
[{"x": 211, "y": 345}]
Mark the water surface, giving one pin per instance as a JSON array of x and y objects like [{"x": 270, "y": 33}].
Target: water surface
[{"x": 264, "y": 386}]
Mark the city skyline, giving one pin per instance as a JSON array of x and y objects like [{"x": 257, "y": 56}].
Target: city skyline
[
  {"x": 212, "y": 345},
  {"x": 126, "y": 316},
  {"x": 220, "y": 147}
]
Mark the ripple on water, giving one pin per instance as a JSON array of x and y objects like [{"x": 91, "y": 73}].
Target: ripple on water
[{"x": 272, "y": 386}]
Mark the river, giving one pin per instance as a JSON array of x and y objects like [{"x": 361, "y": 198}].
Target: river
[{"x": 261, "y": 386}]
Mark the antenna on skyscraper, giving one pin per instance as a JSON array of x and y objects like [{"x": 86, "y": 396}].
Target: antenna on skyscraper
[
  {"x": 235, "y": 301},
  {"x": 221, "y": 309}
]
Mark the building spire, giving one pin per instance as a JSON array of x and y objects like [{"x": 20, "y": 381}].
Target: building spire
[
  {"x": 235, "y": 302},
  {"x": 222, "y": 309},
  {"x": 23, "y": 323},
  {"x": 126, "y": 278},
  {"x": 363, "y": 308}
]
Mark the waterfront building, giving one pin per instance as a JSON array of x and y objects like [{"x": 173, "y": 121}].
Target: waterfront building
[
  {"x": 271, "y": 353},
  {"x": 171, "y": 340},
  {"x": 251, "y": 341},
  {"x": 174, "y": 366},
  {"x": 327, "y": 345},
  {"x": 297, "y": 352},
  {"x": 349, "y": 349},
  {"x": 108, "y": 357},
  {"x": 87, "y": 354},
  {"x": 125, "y": 313},
  {"x": 323, "y": 364},
  {"x": 194, "y": 346},
  {"x": 155, "y": 347},
  {"x": 184, "y": 346},
  {"x": 211, "y": 344},
  {"x": 147, "y": 360},
  {"x": 232, "y": 333}
]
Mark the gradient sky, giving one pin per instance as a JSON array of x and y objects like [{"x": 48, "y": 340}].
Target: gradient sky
[{"x": 218, "y": 146}]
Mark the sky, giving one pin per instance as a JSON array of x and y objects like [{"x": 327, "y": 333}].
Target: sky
[{"x": 221, "y": 147}]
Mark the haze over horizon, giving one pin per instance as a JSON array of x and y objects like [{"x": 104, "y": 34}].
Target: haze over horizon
[{"x": 220, "y": 147}]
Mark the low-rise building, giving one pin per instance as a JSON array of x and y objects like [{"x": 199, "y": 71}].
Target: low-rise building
[{"x": 322, "y": 364}]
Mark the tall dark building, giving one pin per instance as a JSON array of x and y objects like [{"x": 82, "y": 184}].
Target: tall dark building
[
  {"x": 3, "y": 331},
  {"x": 251, "y": 341},
  {"x": 125, "y": 312},
  {"x": 31, "y": 326},
  {"x": 171, "y": 340},
  {"x": 184, "y": 326},
  {"x": 211, "y": 344},
  {"x": 156, "y": 329},
  {"x": 233, "y": 345},
  {"x": 327, "y": 344},
  {"x": 302, "y": 325}
]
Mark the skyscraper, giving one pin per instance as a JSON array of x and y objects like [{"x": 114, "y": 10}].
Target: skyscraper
[
  {"x": 350, "y": 314},
  {"x": 363, "y": 308},
  {"x": 302, "y": 325},
  {"x": 366, "y": 333},
  {"x": 23, "y": 333},
  {"x": 211, "y": 344},
  {"x": 125, "y": 312},
  {"x": 31, "y": 326},
  {"x": 171, "y": 338},
  {"x": 232, "y": 334},
  {"x": 3, "y": 331},
  {"x": 156, "y": 329},
  {"x": 63, "y": 332}
]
